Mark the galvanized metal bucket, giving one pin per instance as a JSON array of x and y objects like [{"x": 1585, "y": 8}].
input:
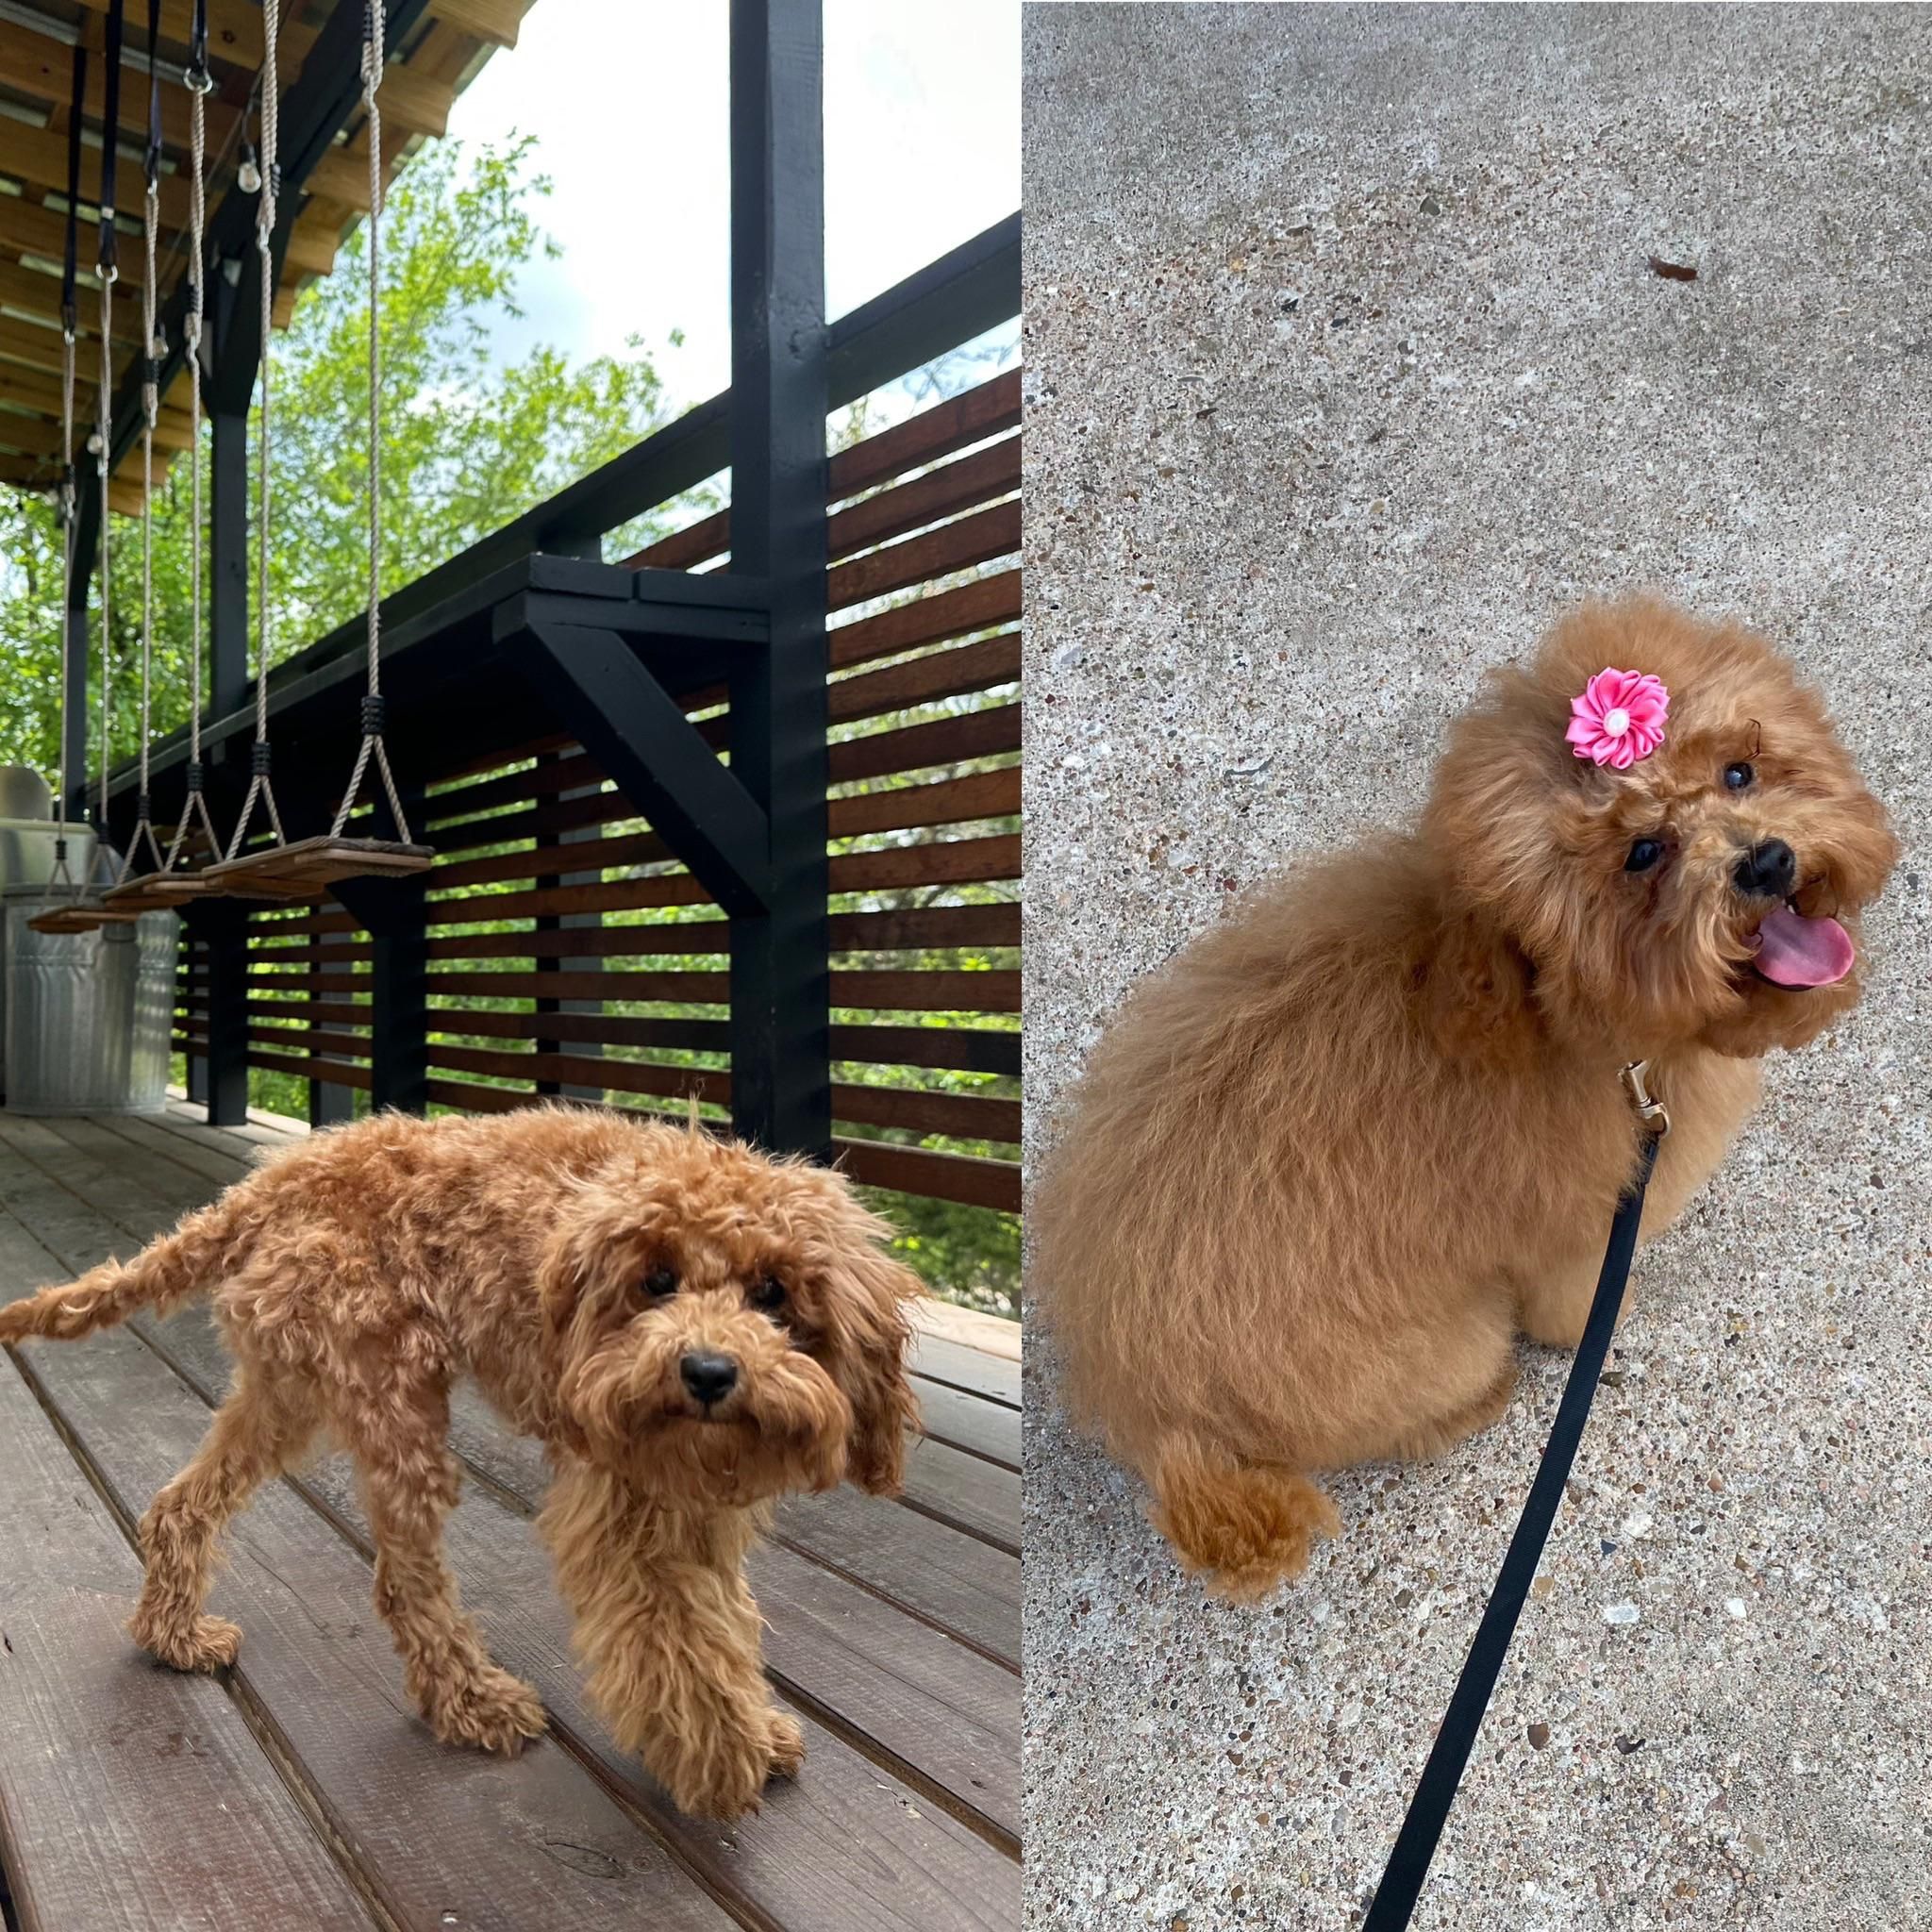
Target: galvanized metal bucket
[
  {"x": 26, "y": 863},
  {"x": 88, "y": 1013}
]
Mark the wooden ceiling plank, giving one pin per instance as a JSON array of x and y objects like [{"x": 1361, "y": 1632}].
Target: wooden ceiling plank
[
  {"x": 41, "y": 65},
  {"x": 39, "y": 159},
  {"x": 234, "y": 27}
]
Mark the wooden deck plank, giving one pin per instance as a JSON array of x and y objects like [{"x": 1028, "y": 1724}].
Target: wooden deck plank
[
  {"x": 216, "y": 1166},
  {"x": 103, "y": 1754},
  {"x": 433, "y": 1830},
  {"x": 970, "y": 1422},
  {"x": 951, "y": 1579},
  {"x": 964, "y": 1492},
  {"x": 907, "y": 1696},
  {"x": 956, "y": 1366}
]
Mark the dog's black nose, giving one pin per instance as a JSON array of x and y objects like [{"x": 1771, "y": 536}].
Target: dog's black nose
[
  {"x": 1769, "y": 870},
  {"x": 709, "y": 1377}
]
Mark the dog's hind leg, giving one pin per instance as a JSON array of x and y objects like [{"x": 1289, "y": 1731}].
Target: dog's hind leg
[
  {"x": 408, "y": 1481},
  {"x": 262, "y": 1426},
  {"x": 1240, "y": 1526}
]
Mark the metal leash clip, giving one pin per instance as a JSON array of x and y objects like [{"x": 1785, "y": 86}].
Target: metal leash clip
[{"x": 1652, "y": 1115}]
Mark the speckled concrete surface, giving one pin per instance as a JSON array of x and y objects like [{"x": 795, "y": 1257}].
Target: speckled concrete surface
[{"x": 1346, "y": 373}]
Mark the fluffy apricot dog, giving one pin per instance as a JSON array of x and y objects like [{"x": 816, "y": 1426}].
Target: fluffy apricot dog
[
  {"x": 1324, "y": 1166},
  {"x": 691, "y": 1328}
]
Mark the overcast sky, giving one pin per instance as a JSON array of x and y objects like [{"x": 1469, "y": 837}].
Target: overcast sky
[{"x": 628, "y": 100}]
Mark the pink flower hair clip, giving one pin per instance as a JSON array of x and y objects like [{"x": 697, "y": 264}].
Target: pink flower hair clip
[{"x": 1619, "y": 719}]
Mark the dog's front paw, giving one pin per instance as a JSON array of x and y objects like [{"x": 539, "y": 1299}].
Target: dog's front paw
[
  {"x": 786, "y": 1743},
  {"x": 201, "y": 1644},
  {"x": 724, "y": 1776},
  {"x": 489, "y": 1709}
]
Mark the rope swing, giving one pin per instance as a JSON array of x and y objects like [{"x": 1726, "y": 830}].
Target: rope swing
[
  {"x": 85, "y": 912},
  {"x": 165, "y": 885},
  {"x": 62, "y": 877},
  {"x": 304, "y": 869}
]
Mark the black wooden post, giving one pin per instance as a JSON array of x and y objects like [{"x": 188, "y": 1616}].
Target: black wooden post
[
  {"x": 780, "y": 979},
  {"x": 395, "y": 913},
  {"x": 224, "y": 925}
]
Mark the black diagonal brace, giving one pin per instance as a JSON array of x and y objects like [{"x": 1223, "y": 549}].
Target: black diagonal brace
[{"x": 610, "y": 703}]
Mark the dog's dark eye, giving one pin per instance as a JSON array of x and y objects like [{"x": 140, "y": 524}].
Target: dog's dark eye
[
  {"x": 768, "y": 1297},
  {"x": 1737, "y": 776},
  {"x": 1643, "y": 855},
  {"x": 661, "y": 1282}
]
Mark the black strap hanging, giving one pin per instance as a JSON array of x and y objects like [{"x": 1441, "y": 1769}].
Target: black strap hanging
[
  {"x": 70, "y": 316},
  {"x": 152, "y": 164},
  {"x": 1435, "y": 1791},
  {"x": 110, "y": 132}
]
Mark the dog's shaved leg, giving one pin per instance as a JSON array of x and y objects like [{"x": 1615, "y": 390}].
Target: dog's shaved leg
[
  {"x": 1554, "y": 1306},
  {"x": 1432, "y": 1434},
  {"x": 1242, "y": 1527},
  {"x": 408, "y": 1481},
  {"x": 260, "y": 1429},
  {"x": 668, "y": 1634}
]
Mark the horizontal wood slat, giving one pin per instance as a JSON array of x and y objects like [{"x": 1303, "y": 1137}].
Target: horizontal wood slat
[
  {"x": 914, "y": 747},
  {"x": 975, "y": 666},
  {"x": 921, "y": 928},
  {"x": 955, "y": 546},
  {"x": 987, "y": 411},
  {"x": 959, "y": 1049},
  {"x": 964, "y": 1116},
  {"x": 936, "y": 618},
  {"x": 964, "y": 1177},
  {"x": 937, "y": 991}
]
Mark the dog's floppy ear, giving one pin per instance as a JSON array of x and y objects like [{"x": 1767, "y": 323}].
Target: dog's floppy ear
[
  {"x": 597, "y": 1239},
  {"x": 873, "y": 1293},
  {"x": 1475, "y": 988}
]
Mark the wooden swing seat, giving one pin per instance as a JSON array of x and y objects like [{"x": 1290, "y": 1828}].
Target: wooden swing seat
[
  {"x": 87, "y": 917},
  {"x": 157, "y": 892},
  {"x": 309, "y": 867}
]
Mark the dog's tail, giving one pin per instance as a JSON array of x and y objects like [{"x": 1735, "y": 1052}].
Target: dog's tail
[
  {"x": 162, "y": 1274},
  {"x": 1242, "y": 1527}
]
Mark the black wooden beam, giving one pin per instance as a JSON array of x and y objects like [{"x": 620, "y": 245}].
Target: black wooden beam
[
  {"x": 612, "y": 706},
  {"x": 224, "y": 925},
  {"x": 781, "y": 1087},
  {"x": 396, "y": 914}
]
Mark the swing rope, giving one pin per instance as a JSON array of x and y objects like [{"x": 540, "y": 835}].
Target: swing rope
[
  {"x": 70, "y": 326},
  {"x": 200, "y": 84},
  {"x": 103, "y": 406},
  {"x": 259, "y": 785},
  {"x": 150, "y": 404},
  {"x": 372, "y": 700}
]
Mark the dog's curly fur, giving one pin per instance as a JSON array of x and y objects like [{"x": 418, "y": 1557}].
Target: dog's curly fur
[
  {"x": 1324, "y": 1166},
  {"x": 572, "y": 1262}
]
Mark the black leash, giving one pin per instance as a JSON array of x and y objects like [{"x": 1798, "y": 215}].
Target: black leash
[{"x": 1435, "y": 1791}]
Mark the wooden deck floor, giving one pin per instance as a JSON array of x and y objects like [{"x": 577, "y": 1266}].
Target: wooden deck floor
[{"x": 301, "y": 1790}]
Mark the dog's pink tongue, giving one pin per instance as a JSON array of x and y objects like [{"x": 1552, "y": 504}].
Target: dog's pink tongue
[{"x": 1796, "y": 951}]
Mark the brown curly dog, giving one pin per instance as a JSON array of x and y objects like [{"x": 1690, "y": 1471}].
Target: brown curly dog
[
  {"x": 1325, "y": 1165},
  {"x": 690, "y": 1328}
]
